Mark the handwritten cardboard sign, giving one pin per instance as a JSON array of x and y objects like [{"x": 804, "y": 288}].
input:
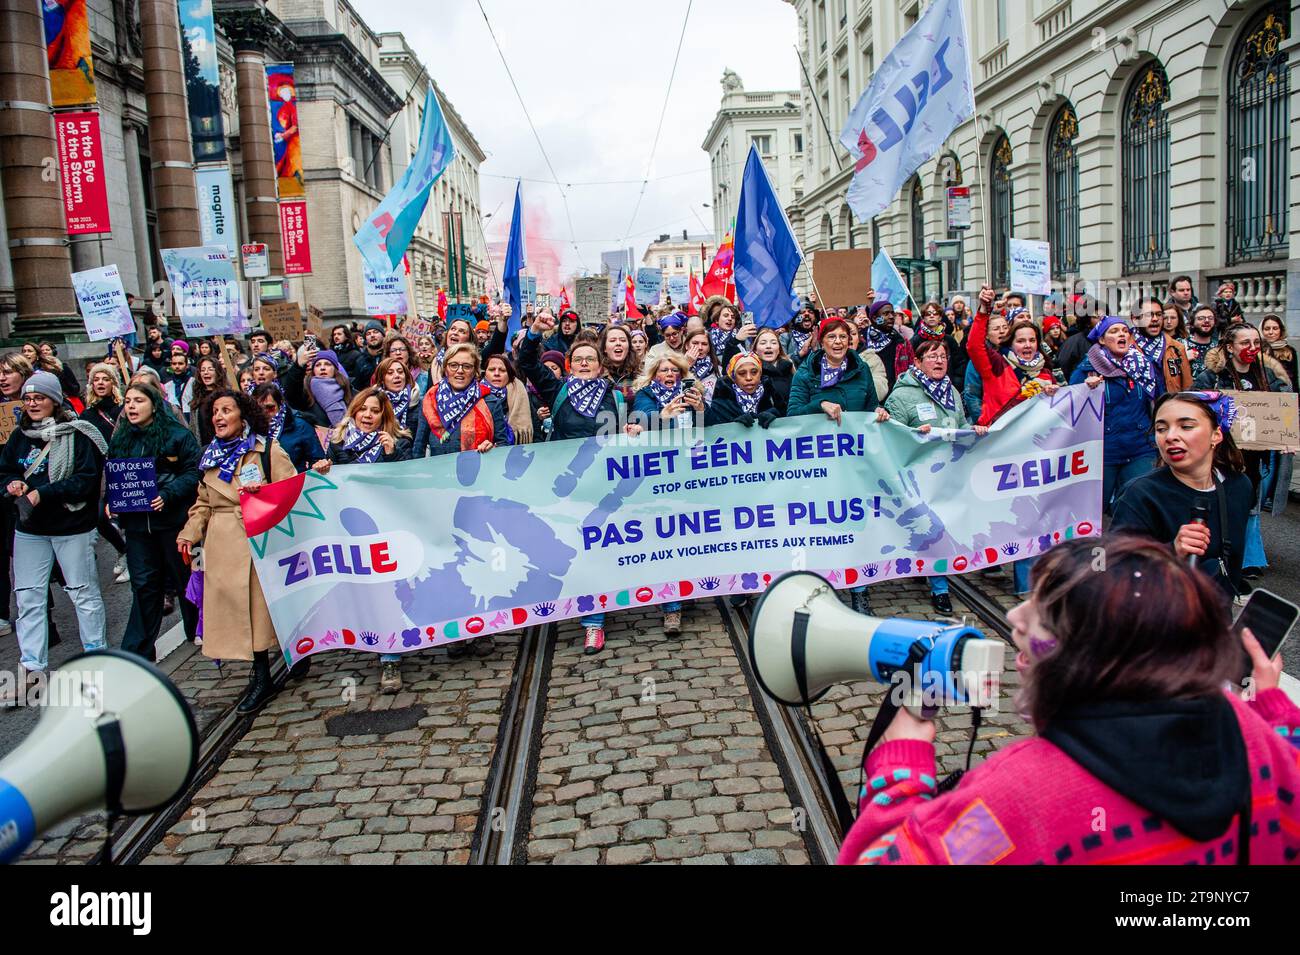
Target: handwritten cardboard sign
[
  {"x": 843, "y": 276},
  {"x": 591, "y": 298},
  {"x": 283, "y": 320},
  {"x": 130, "y": 484},
  {"x": 9, "y": 412},
  {"x": 316, "y": 322},
  {"x": 1266, "y": 421}
]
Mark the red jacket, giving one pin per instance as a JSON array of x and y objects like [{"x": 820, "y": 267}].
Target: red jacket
[
  {"x": 1032, "y": 803},
  {"x": 1001, "y": 383}
]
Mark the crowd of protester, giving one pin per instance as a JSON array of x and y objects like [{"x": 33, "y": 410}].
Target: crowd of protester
[{"x": 221, "y": 416}]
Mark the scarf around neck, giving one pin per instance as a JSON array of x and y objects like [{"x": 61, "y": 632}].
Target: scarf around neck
[
  {"x": 453, "y": 405},
  {"x": 1134, "y": 366},
  {"x": 586, "y": 394},
  {"x": 831, "y": 376},
  {"x": 328, "y": 393},
  {"x": 401, "y": 402},
  {"x": 940, "y": 392},
  {"x": 875, "y": 339},
  {"x": 702, "y": 368},
  {"x": 663, "y": 394},
  {"x": 797, "y": 339},
  {"x": 276, "y": 424},
  {"x": 61, "y": 438},
  {"x": 1153, "y": 348},
  {"x": 720, "y": 338},
  {"x": 364, "y": 447},
  {"x": 1025, "y": 369},
  {"x": 225, "y": 455},
  {"x": 749, "y": 402}
]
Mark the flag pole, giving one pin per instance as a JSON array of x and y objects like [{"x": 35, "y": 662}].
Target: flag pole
[{"x": 979, "y": 162}]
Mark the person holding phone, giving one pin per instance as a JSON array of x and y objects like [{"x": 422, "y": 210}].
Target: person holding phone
[{"x": 1198, "y": 498}]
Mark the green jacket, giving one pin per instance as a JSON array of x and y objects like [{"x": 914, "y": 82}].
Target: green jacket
[
  {"x": 855, "y": 391},
  {"x": 908, "y": 399}
]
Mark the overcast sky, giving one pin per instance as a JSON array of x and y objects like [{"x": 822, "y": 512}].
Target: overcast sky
[{"x": 593, "y": 76}]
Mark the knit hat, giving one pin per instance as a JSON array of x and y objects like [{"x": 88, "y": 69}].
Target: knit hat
[
  {"x": 877, "y": 307},
  {"x": 1050, "y": 322},
  {"x": 181, "y": 344},
  {"x": 375, "y": 324},
  {"x": 1105, "y": 323},
  {"x": 106, "y": 368},
  {"x": 43, "y": 383},
  {"x": 327, "y": 354},
  {"x": 675, "y": 320},
  {"x": 557, "y": 357},
  {"x": 270, "y": 361},
  {"x": 481, "y": 327}
]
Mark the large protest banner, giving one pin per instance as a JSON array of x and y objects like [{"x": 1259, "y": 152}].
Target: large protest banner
[
  {"x": 397, "y": 557},
  {"x": 205, "y": 290}
]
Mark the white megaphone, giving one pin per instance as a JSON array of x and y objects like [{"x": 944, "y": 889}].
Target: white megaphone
[
  {"x": 802, "y": 640},
  {"x": 113, "y": 733}
]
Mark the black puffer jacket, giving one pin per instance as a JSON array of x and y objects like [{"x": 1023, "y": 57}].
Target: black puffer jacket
[
  {"x": 178, "y": 475},
  {"x": 51, "y": 518}
]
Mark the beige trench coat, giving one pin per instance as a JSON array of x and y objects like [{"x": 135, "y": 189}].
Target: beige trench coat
[{"x": 235, "y": 618}]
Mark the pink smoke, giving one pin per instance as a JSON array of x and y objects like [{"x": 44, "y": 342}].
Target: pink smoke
[{"x": 543, "y": 255}]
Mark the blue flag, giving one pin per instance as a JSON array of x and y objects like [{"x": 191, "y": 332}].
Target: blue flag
[
  {"x": 516, "y": 260},
  {"x": 888, "y": 284},
  {"x": 767, "y": 255},
  {"x": 387, "y": 232}
]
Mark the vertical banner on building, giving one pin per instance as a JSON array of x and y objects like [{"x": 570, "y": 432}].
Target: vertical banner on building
[
  {"x": 385, "y": 294},
  {"x": 217, "y": 215},
  {"x": 283, "y": 95},
  {"x": 202, "y": 86},
  {"x": 81, "y": 164},
  {"x": 449, "y": 242},
  {"x": 206, "y": 290},
  {"x": 67, "y": 46},
  {"x": 103, "y": 303},
  {"x": 294, "y": 237}
]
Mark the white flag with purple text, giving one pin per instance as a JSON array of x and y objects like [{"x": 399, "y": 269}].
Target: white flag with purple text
[{"x": 918, "y": 96}]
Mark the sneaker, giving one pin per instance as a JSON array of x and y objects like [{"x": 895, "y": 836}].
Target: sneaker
[
  {"x": 672, "y": 623},
  {"x": 391, "y": 679},
  {"x": 1252, "y": 573},
  {"x": 6, "y": 627},
  {"x": 120, "y": 567},
  {"x": 595, "y": 641},
  {"x": 169, "y": 605},
  {"x": 942, "y": 604},
  {"x": 123, "y": 577},
  {"x": 860, "y": 602}
]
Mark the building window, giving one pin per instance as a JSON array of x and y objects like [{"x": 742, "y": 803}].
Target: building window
[
  {"x": 1258, "y": 141},
  {"x": 679, "y": 262},
  {"x": 797, "y": 143},
  {"x": 763, "y": 142},
  {"x": 663, "y": 261},
  {"x": 1002, "y": 19},
  {"x": 918, "y": 220},
  {"x": 1063, "y": 192},
  {"x": 1144, "y": 144},
  {"x": 1001, "y": 213}
]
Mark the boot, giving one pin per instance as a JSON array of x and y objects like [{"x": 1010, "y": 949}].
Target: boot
[
  {"x": 672, "y": 623},
  {"x": 300, "y": 669},
  {"x": 860, "y": 602},
  {"x": 260, "y": 687},
  {"x": 942, "y": 604}
]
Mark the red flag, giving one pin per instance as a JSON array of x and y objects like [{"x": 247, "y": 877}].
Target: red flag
[
  {"x": 697, "y": 296},
  {"x": 718, "y": 280},
  {"x": 442, "y": 305},
  {"x": 564, "y": 298},
  {"x": 629, "y": 296}
]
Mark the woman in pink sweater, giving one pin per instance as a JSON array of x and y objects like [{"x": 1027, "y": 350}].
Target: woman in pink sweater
[{"x": 1141, "y": 753}]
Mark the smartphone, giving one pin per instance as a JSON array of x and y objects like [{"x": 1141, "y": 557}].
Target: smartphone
[
  {"x": 747, "y": 318},
  {"x": 310, "y": 340},
  {"x": 688, "y": 384},
  {"x": 1270, "y": 618}
]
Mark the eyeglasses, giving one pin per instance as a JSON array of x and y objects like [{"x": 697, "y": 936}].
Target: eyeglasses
[
  {"x": 459, "y": 366},
  {"x": 35, "y": 399},
  {"x": 584, "y": 360}
]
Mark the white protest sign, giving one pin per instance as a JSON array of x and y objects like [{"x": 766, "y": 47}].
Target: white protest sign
[
  {"x": 103, "y": 303},
  {"x": 1031, "y": 266},
  {"x": 648, "y": 284}
]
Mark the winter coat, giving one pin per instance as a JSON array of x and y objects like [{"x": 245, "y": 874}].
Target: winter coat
[
  {"x": 780, "y": 375},
  {"x": 855, "y": 391},
  {"x": 485, "y": 421},
  {"x": 1175, "y": 368},
  {"x": 1141, "y": 767},
  {"x": 998, "y": 376},
  {"x": 725, "y": 407},
  {"x": 103, "y": 415},
  {"x": 50, "y": 518},
  {"x": 299, "y": 440},
  {"x": 1128, "y": 416},
  {"x": 1218, "y": 375},
  {"x": 232, "y": 593},
  {"x": 365, "y": 369},
  {"x": 177, "y": 470},
  {"x": 896, "y": 357},
  {"x": 972, "y": 393},
  {"x": 911, "y": 404},
  {"x": 565, "y": 421}
]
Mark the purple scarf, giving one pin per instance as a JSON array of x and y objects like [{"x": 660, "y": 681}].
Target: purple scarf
[
  {"x": 586, "y": 394},
  {"x": 401, "y": 402},
  {"x": 225, "y": 455},
  {"x": 939, "y": 391},
  {"x": 702, "y": 368},
  {"x": 328, "y": 393},
  {"x": 831, "y": 376},
  {"x": 1153, "y": 348},
  {"x": 719, "y": 338},
  {"x": 453, "y": 405},
  {"x": 1134, "y": 366},
  {"x": 749, "y": 403},
  {"x": 277, "y": 423},
  {"x": 663, "y": 394},
  {"x": 875, "y": 339},
  {"x": 364, "y": 447}
]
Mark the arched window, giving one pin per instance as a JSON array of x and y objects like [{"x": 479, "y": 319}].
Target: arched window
[
  {"x": 1063, "y": 192},
  {"x": 1258, "y": 116},
  {"x": 918, "y": 220},
  {"x": 1144, "y": 142},
  {"x": 1001, "y": 213},
  {"x": 828, "y": 231}
]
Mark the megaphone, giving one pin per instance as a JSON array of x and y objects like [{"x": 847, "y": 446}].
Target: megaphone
[
  {"x": 113, "y": 733},
  {"x": 803, "y": 640}
]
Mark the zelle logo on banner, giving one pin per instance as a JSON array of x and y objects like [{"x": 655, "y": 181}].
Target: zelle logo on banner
[{"x": 77, "y": 908}]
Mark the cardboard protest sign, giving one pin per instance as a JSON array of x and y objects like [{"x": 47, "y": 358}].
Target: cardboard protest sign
[
  {"x": 130, "y": 484},
  {"x": 9, "y": 412},
  {"x": 591, "y": 298},
  {"x": 283, "y": 320},
  {"x": 1266, "y": 421},
  {"x": 842, "y": 276},
  {"x": 316, "y": 322}
]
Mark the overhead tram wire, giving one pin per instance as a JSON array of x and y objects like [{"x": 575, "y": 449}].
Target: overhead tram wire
[
  {"x": 658, "y": 129},
  {"x": 555, "y": 178}
]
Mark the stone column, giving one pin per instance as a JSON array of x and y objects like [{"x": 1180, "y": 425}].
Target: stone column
[
  {"x": 257, "y": 155},
  {"x": 38, "y": 241},
  {"x": 139, "y": 221},
  {"x": 175, "y": 195}
]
